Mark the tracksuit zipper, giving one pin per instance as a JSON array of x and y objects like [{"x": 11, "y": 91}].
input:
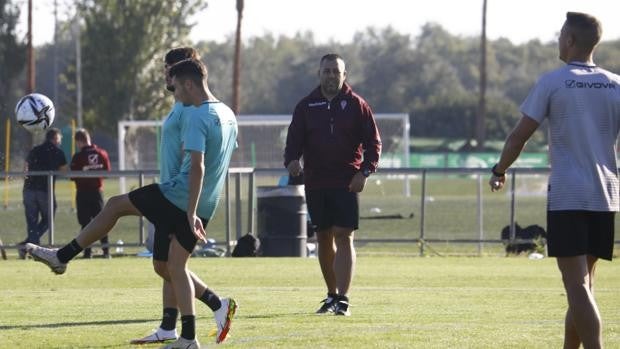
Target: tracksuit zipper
[{"x": 331, "y": 118}]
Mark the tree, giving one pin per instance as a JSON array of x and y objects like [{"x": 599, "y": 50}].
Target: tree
[
  {"x": 435, "y": 77},
  {"x": 123, "y": 44},
  {"x": 12, "y": 57}
]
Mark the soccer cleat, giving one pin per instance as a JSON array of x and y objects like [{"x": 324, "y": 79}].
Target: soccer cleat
[
  {"x": 159, "y": 336},
  {"x": 183, "y": 343},
  {"x": 342, "y": 308},
  {"x": 47, "y": 256},
  {"x": 223, "y": 317},
  {"x": 329, "y": 305}
]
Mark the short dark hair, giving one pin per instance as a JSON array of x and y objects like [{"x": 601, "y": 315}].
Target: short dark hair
[
  {"x": 192, "y": 69},
  {"x": 331, "y": 57},
  {"x": 81, "y": 135},
  {"x": 51, "y": 133},
  {"x": 585, "y": 28},
  {"x": 180, "y": 53}
]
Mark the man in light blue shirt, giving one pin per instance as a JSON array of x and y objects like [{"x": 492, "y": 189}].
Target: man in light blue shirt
[
  {"x": 171, "y": 150},
  {"x": 209, "y": 139},
  {"x": 214, "y": 126}
]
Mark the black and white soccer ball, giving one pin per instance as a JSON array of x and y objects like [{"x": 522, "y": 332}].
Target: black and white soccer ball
[{"x": 35, "y": 112}]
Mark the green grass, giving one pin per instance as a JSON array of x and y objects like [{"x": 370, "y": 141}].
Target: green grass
[{"x": 397, "y": 303}]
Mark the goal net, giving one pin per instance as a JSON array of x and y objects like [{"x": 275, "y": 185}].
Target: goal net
[{"x": 261, "y": 141}]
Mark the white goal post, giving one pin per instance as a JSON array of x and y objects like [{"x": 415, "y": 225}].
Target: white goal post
[{"x": 261, "y": 142}]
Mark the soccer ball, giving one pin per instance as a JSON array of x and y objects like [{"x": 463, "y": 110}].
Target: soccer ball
[{"x": 35, "y": 112}]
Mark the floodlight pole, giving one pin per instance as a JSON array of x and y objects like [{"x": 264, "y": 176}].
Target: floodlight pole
[
  {"x": 30, "y": 74},
  {"x": 480, "y": 118},
  {"x": 55, "y": 62},
  {"x": 30, "y": 82},
  {"x": 237, "y": 68},
  {"x": 78, "y": 68}
]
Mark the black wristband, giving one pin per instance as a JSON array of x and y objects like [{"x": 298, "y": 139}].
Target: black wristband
[{"x": 495, "y": 173}]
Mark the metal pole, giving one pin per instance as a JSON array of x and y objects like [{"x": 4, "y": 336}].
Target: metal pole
[
  {"x": 141, "y": 223},
  {"x": 227, "y": 193},
  {"x": 480, "y": 216},
  {"x": 513, "y": 180},
  {"x": 78, "y": 68},
  {"x": 237, "y": 59},
  {"x": 121, "y": 155},
  {"x": 30, "y": 74},
  {"x": 30, "y": 78},
  {"x": 251, "y": 203},
  {"x": 55, "y": 61},
  {"x": 50, "y": 208},
  {"x": 406, "y": 155},
  {"x": 480, "y": 131},
  {"x": 238, "y": 204},
  {"x": 422, "y": 212},
  {"x": 7, "y": 158}
]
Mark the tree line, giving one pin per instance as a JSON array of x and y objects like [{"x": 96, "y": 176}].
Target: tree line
[{"x": 433, "y": 76}]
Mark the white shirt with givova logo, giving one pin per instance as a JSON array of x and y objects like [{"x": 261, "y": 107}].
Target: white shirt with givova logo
[{"x": 582, "y": 103}]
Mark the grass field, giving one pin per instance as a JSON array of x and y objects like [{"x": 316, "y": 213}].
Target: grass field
[{"x": 454, "y": 302}]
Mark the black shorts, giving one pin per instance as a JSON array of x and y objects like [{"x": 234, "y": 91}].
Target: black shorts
[
  {"x": 88, "y": 203},
  {"x": 576, "y": 233},
  {"x": 333, "y": 207},
  {"x": 168, "y": 220}
]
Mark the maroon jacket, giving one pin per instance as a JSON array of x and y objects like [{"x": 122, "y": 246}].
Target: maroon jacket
[
  {"x": 90, "y": 158},
  {"x": 332, "y": 137}
]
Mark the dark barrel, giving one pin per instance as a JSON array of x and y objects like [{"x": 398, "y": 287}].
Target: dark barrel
[{"x": 282, "y": 220}]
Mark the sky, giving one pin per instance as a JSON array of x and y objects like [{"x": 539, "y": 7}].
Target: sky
[{"x": 338, "y": 20}]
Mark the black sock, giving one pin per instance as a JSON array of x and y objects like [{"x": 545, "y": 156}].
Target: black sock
[
  {"x": 333, "y": 296},
  {"x": 169, "y": 319},
  {"x": 69, "y": 252},
  {"x": 188, "y": 329},
  {"x": 211, "y": 300},
  {"x": 343, "y": 298}
]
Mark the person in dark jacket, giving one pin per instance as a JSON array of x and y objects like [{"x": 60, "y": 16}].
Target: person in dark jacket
[
  {"x": 334, "y": 130},
  {"x": 44, "y": 157},
  {"x": 89, "y": 191}
]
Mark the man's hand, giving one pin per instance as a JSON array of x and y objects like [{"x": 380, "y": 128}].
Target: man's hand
[
  {"x": 294, "y": 168},
  {"x": 498, "y": 178},
  {"x": 195, "y": 224},
  {"x": 497, "y": 182},
  {"x": 357, "y": 183}
]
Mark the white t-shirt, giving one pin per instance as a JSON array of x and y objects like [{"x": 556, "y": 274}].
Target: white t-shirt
[{"x": 582, "y": 104}]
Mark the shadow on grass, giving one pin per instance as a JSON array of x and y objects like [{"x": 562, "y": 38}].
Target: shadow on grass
[
  {"x": 72, "y": 324},
  {"x": 269, "y": 316}
]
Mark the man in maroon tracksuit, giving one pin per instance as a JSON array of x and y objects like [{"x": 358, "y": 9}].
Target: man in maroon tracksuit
[
  {"x": 89, "y": 193},
  {"x": 334, "y": 130}
]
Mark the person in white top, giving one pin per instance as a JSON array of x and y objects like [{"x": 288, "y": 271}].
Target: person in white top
[{"x": 582, "y": 105}]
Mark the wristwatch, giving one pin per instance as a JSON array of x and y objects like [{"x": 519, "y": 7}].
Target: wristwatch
[{"x": 366, "y": 172}]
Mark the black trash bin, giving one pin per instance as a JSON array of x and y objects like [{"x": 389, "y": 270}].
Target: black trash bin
[{"x": 281, "y": 221}]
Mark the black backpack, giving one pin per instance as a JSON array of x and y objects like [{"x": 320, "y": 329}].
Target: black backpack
[{"x": 247, "y": 246}]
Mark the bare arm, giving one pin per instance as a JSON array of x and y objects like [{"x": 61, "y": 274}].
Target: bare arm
[
  {"x": 196, "y": 174},
  {"x": 512, "y": 149}
]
